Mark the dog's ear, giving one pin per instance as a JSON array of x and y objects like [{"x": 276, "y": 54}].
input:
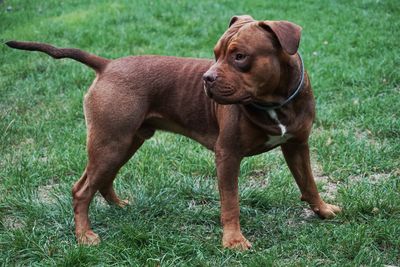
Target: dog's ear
[
  {"x": 240, "y": 18},
  {"x": 288, "y": 34}
]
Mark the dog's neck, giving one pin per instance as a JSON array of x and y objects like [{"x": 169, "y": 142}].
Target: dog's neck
[
  {"x": 294, "y": 73},
  {"x": 290, "y": 84}
]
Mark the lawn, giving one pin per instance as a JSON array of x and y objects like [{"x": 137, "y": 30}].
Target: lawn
[{"x": 351, "y": 51}]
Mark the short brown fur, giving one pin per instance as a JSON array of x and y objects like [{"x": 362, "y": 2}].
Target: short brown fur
[{"x": 132, "y": 97}]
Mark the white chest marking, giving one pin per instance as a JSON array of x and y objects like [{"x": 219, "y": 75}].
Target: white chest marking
[
  {"x": 273, "y": 116},
  {"x": 274, "y": 140}
]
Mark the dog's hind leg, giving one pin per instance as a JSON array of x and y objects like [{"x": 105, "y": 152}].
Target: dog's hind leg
[
  {"x": 107, "y": 191},
  {"x": 106, "y": 157},
  {"x": 113, "y": 137}
]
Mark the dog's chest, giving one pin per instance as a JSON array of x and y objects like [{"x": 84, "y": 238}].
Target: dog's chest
[
  {"x": 268, "y": 130},
  {"x": 275, "y": 140}
]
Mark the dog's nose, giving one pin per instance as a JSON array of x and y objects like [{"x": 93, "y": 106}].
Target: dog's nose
[{"x": 209, "y": 77}]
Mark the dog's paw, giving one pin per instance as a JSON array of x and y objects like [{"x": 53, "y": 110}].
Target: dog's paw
[
  {"x": 88, "y": 238},
  {"x": 114, "y": 200},
  {"x": 122, "y": 203},
  {"x": 326, "y": 211},
  {"x": 235, "y": 240}
]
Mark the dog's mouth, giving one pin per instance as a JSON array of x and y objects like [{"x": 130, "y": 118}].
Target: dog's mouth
[
  {"x": 207, "y": 91},
  {"x": 226, "y": 98}
]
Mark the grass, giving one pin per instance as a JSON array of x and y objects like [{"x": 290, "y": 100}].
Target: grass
[{"x": 351, "y": 53}]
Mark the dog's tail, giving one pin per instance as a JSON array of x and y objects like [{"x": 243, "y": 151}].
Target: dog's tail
[{"x": 95, "y": 62}]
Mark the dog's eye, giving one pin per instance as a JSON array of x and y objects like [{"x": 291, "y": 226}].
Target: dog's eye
[{"x": 240, "y": 57}]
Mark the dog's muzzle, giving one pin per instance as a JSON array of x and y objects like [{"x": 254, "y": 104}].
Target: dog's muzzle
[{"x": 209, "y": 79}]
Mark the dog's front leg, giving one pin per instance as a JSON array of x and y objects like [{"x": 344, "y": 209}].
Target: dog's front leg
[
  {"x": 297, "y": 157},
  {"x": 228, "y": 165}
]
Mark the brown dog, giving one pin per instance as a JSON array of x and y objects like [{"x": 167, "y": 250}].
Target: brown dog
[{"x": 259, "y": 97}]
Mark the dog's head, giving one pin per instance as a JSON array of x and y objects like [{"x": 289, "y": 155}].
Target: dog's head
[{"x": 249, "y": 60}]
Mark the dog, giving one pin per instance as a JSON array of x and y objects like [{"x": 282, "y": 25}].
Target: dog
[{"x": 254, "y": 97}]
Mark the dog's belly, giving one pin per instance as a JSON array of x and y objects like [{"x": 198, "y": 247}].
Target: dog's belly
[{"x": 158, "y": 122}]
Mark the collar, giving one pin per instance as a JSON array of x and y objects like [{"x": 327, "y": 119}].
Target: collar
[{"x": 271, "y": 106}]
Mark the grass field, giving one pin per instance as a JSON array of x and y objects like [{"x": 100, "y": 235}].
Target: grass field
[{"x": 351, "y": 50}]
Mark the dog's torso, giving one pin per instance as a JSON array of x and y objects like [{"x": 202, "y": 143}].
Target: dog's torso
[{"x": 170, "y": 91}]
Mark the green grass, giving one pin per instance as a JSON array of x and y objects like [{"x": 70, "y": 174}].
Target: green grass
[{"x": 351, "y": 52}]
